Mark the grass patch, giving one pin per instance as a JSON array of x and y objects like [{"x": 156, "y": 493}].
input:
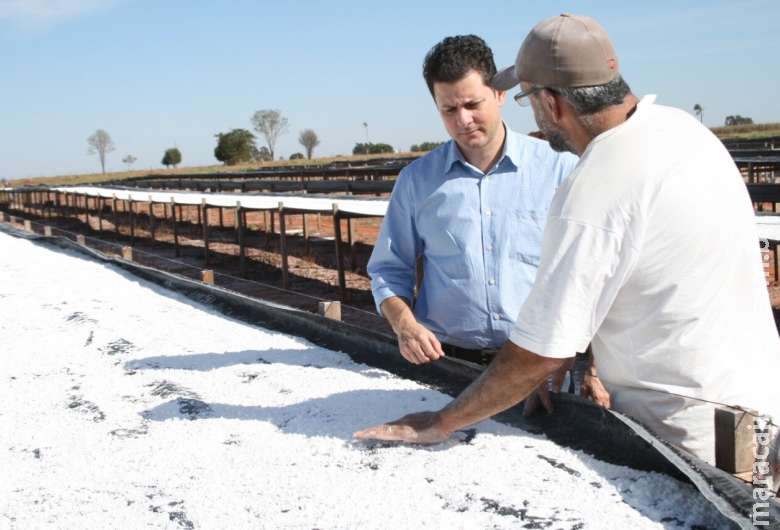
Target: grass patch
[
  {"x": 96, "y": 178},
  {"x": 755, "y": 131}
]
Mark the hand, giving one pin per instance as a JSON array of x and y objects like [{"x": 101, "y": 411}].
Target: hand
[
  {"x": 418, "y": 428},
  {"x": 417, "y": 344},
  {"x": 593, "y": 389},
  {"x": 542, "y": 392}
]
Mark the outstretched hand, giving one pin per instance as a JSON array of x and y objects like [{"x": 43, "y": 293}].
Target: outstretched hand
[{"x": 418, "y": 428}]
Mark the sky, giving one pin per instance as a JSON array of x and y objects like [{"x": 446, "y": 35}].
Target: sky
[{"x": 161, "y": 74}]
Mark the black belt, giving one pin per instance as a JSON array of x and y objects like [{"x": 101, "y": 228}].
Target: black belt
[{"x": 474, "y": 356}]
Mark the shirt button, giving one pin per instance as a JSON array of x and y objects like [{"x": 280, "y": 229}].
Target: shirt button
[
  {"x": 496, "y": 316},
  {"x": 490, "y": 248},
  {"x": 492, "y": 281},
  {"x": 488, "y": 213}
]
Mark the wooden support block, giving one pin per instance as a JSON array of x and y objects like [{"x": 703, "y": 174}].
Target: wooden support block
[
  {"x": 127, "y": 253},
  {"x": 207, "y": 276},
  {"x": 2, "y": 217},
  {"x": 47, "y": 231},
  {"x": 28, "y": 225},
  {"x": 733, "y": 440},
  {"x": 331, "y": 310},
  {"x": 81, "y": 240}
]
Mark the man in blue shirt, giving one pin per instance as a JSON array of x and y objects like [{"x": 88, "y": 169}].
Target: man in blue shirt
[{"x": 473, "y": 209}]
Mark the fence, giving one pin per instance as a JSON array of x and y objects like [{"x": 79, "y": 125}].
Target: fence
[{"x": 123, "y": 212}]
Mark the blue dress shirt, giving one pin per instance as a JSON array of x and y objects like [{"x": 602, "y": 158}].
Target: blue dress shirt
[{"x": 480, "y": 235}]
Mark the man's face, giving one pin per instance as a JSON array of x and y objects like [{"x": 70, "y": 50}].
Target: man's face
[
  {"x": 470, "y": 110},
  {"x": 555, "y": 135}
]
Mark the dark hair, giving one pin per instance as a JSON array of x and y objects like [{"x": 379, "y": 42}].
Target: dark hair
[
  {"x": 451, "y": 59},
  {"x": 592, "y": 99}
]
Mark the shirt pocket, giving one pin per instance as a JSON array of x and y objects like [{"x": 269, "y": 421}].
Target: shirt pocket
[
  {"x": 448, "y": 258},
  {"x": 525, "y": 243}
]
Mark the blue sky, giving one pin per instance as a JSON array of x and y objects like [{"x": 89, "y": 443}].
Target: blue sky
[{"x": 156, "y": 74}]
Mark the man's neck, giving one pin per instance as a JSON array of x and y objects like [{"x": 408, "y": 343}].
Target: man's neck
[
  {"x": 486, "y": 157},
  {"x": 594, "y": 125}
]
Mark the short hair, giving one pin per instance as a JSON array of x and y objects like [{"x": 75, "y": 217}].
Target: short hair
[
  {"x": 454, "y": 57},
  {"x": 592, "y": 99}
]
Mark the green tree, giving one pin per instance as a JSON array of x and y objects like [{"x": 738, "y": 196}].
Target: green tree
[
  {"x": 297, "y": 156},
  {"x": 698, "y": 110},
  {"x": 309, "y": 140},
  {"x": 172, "y": 157},
  {"x": 100, "y": 143},
  {"x": 372, "y": 148},
  {"x": 271, "y": 124},
  {"x": 262, "y": 154},
  {"x": 235, "y": 147},
  {"x": 425, "y": 146},
  {"x": 738, "y": 120},
  {"x": 129, "y": 160}
]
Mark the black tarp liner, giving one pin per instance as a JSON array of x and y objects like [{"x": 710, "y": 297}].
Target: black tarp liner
[{"x": 577, "y": 424}]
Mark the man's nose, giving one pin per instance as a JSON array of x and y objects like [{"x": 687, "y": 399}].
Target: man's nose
[{"x": 463, "y": 117}]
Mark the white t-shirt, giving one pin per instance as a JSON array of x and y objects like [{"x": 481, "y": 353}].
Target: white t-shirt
[{"x": 651, "y": 253}]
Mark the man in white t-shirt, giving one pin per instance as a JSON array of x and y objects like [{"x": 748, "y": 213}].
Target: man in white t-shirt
[{"x": 650, "y": 252}]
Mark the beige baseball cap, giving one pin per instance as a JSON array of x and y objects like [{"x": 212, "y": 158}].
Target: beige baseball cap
[{"x": 564, "y": 51}]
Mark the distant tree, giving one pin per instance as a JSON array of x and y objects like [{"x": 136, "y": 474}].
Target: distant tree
[
  {"x": 738, "y": 120},
  {"x": 100, "y": 143},
  {"x": 297, "y": 156},
  {"x": 425, "y": 146},
  {"x": 172, "y": 157},
  {"x": 697, "y": 110},
  {"x": 235, "y": 147},
  {"x": 129, "y": 160},
  {"x": 371, "y": 149},
  {"x": 271, "y": 124},
  {"x": 261, "y": 155},
  {"x": 308, "y": 139}
]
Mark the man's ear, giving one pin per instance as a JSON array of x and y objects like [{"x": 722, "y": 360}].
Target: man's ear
[
  {"x": 500, "y": 96},
  {"x": 552, "y": 105}
]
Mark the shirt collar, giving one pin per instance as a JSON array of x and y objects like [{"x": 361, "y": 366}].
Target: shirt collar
[
  {"x": 510, "y": 151},
  {"x": 453, "y": 155}
]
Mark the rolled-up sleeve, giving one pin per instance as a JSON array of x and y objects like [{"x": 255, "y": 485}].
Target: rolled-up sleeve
[{"x": 392, "y": 263}]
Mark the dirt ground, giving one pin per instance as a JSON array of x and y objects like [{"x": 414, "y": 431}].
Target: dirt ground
[{"x": 313, "y": 274}]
